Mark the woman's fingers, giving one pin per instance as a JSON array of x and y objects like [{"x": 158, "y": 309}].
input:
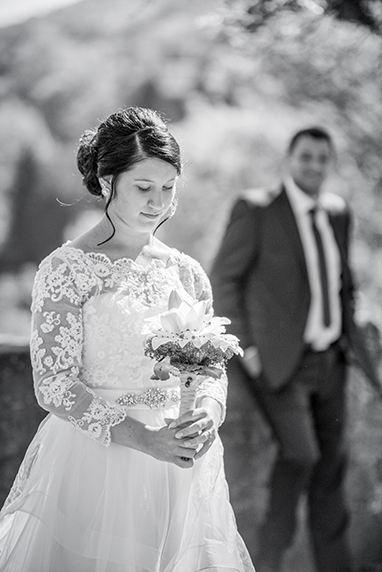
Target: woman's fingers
[
  {"x": 196, "y": 428},
  {"x": 205, "y": 439},
  {"x": 184, "y": 462},
  {"x": 186, "y": 458},
  {"x": 203, "y": 449},
  {"x": 194, "y": 432},
  {"x": 188, "y": 418},
  {"x": 197, "y": 435},
  {"x": 187, "y": 451},
  {"x": 166, "y": 448}
]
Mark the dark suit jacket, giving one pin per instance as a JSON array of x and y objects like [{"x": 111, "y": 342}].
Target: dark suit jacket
[{"x": 260, "y": 281}]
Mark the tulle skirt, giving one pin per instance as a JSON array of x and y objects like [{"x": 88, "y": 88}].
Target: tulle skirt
[{"x": 78, "y": 506}]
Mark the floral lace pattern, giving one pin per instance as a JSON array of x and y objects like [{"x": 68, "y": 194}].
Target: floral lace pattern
[
  {"x": 98, "y": 418},
  {"x": 216, "y": 389},
  {"x": 87, "y": 320},
  {"x": 116, "y": 334}
]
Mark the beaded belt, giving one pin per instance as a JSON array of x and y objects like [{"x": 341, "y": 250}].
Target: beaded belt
[{"x": 153, "y": 397}]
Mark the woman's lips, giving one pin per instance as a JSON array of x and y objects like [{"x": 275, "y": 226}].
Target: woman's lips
[{"x": 152, "y": 215}]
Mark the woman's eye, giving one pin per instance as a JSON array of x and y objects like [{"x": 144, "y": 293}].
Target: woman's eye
[
  {"x": 168, "y": 188},
  {"x": 143, "y": 188}
]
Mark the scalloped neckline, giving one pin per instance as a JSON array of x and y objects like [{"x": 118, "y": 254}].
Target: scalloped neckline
[{"x": 123, "y": 259}]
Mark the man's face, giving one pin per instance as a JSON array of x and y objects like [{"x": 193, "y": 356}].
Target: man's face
[{"x": 309, "y": 163}]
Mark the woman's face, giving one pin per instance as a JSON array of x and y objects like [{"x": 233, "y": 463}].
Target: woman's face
[{"x": 143, "y": 195}]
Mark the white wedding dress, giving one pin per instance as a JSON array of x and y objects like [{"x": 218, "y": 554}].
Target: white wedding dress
[{"x": 79, "y": 502}]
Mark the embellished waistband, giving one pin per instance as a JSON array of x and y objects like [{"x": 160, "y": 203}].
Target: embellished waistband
[{"x": 153, "y": 397}]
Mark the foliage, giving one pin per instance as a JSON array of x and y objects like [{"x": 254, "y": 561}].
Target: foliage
[
  {"x": 317, "y": 70},
  {"x": 30, "y": 205},
  {"x": 234, "y": 100},
  {"x": 310, "y": 60},
  {"x": 250, "y": 15}
]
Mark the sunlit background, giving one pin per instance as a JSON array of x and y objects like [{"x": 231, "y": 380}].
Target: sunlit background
[
  {"x": 236, "y": 78},
  {"x": 16, "y": 11}
]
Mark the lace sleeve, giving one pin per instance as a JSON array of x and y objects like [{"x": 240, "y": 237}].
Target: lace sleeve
[
  {"x": 56, "y": 350},
  {"x": 197, "y": 284},
  {"x": 194, "y": 279}
]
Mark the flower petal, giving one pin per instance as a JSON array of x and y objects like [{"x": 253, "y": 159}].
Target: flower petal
[
  {"x": 193, "y": 319},
  {"x": 172, "y": 321},
  {"x": 174, "y": 300}
]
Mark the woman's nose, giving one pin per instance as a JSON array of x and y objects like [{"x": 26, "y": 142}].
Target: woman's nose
[{"x": 156, "y": 201}]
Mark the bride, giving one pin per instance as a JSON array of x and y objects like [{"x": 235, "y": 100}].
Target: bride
[{"x": 114, "y": 481}]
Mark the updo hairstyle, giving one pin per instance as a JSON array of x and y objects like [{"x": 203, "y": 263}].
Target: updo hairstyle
[{"x": 122, "y": 140}]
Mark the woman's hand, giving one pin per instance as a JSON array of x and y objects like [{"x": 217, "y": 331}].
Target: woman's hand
[
  {"x": 198, "y": 428},
  {"x": 159, "y": 442},
  {"x": 163, "y": 444},
  {"x": 181, "y": 441}
]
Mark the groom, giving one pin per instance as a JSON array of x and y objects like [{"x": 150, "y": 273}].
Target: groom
[{"x": 282, "y": 277}]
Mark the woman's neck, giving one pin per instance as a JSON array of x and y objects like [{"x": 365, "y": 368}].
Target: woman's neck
[{"x": 124, "y": 243}]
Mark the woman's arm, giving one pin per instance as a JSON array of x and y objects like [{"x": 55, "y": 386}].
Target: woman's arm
[{"x": 56, "y": 349}]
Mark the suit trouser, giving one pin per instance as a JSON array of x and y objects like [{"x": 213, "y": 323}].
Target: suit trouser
[{"x": 308, "y": 421}]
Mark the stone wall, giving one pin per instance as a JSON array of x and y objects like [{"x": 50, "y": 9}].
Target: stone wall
[{"x": 20, "y": 414}]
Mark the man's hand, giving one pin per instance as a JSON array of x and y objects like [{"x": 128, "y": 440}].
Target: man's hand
[{"x": 251, "y": 361}]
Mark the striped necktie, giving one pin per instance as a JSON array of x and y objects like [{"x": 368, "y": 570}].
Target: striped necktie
[{"x": 322, "y": 269}]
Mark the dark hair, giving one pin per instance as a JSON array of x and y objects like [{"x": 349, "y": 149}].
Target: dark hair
[
  {"x": 121, "y": 141},
  {"x": 315, "y": 132}
]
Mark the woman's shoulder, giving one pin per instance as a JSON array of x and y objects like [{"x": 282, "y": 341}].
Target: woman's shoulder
[
  {"x": 186, "y": 261},
  {"x": 193, "y": 276},
  {"x": 64, "y": 254},
  {"x": 57, "y": 278},
  {"x": 66, "y": 267}
]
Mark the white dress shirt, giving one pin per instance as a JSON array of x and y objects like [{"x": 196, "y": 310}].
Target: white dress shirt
[{"x": 316, "y": 333}]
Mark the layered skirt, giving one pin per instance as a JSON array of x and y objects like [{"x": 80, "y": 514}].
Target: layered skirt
[{"x": 77, "y": 506}]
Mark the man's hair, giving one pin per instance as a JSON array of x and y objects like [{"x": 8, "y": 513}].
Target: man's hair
[{"x": 315, "y": 132}]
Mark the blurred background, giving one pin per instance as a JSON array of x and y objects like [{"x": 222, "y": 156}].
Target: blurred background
[{"x": 236, "y": 78}]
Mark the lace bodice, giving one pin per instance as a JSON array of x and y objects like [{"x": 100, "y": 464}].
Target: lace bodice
[{"x": 88, "y": 318}]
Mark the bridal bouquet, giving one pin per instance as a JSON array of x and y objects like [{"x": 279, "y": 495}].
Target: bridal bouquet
[{"x": 189, "y": 343}]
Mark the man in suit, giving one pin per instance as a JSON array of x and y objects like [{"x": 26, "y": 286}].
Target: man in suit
[{"x": 282, "y": 276}]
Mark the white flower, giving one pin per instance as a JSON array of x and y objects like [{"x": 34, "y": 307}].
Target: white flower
[{"x": 186, "y": 321}]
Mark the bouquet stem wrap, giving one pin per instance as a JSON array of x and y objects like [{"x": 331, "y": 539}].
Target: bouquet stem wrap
[{"x": 188, "y": 385}]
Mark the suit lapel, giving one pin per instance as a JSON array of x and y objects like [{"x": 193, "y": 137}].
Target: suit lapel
[{"x": 339, "y": 225}]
